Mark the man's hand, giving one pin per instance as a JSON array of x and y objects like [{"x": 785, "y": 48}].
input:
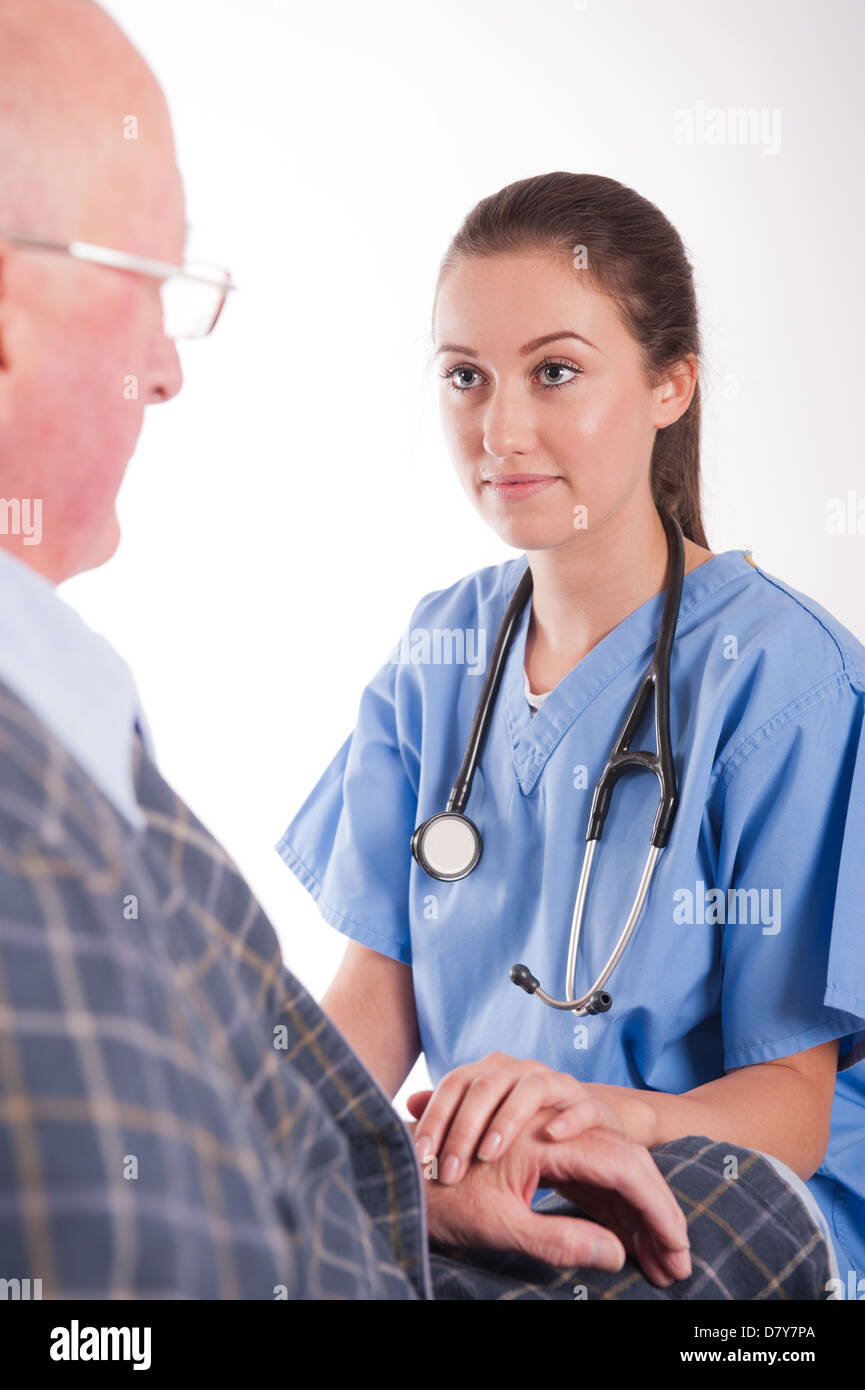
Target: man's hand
[{"x": 611, "y": 1177}]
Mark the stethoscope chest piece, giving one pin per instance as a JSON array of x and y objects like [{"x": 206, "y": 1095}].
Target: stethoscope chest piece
[{"x": 447, "y": 846}]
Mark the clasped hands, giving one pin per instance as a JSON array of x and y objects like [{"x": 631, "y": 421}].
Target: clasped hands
[{"x": 501, "y": 1128}]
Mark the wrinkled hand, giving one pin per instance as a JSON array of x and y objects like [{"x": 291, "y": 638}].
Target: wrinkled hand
[
  {"x": 609, "y": 1176},
  {"x": 478, "y": 1110}
]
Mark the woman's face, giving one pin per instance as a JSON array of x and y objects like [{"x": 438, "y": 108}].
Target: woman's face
[{"x": 545, "y": 407}]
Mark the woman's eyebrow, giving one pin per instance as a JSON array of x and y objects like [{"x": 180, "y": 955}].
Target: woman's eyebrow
[{"x": 526, "y": 348}]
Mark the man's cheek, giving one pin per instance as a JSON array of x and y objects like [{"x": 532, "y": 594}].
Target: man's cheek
[
  {"x": 103, "y": 370},
  {"x": 89, "y": 498},
  {"x": 85, "y": 427},
  {"x": 103, "y": 342}
]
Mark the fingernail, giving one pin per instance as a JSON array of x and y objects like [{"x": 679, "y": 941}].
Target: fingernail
[
  {"x": 681, "y": 1262},
  {"x": 608, "y": 1257},
  {"x": 423, "y": 1147},
  {"x": 490, "y": 1145},
  {"x": 556, "y": 1127},
  {"x": 684, "y": 1239},
  {"x": 450, "y": 1169}
]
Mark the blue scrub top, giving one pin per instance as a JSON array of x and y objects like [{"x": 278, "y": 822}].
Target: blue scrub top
[{"x": 751, "y": 943}]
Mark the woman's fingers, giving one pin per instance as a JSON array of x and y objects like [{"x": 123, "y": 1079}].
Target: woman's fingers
[
  {"x": 417, "y": 1103},
  {"x": 461, "y": 1107},
  {"x": 482, "y": 1108},
  {"x": 586, "y": 1113},
  {"x": 487, "y": 1114},
  {"x": 532, "y": 1092}
]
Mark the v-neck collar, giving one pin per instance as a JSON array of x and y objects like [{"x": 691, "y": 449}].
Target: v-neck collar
[{"x": 632, "y": 641}]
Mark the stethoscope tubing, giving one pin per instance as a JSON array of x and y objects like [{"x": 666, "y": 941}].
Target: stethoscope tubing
[
  {"x": 622, "y": 758},
  {"x": 459, "y": 796}
]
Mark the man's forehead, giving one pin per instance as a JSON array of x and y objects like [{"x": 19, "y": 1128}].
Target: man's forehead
[{"x": 85, "y": 135}]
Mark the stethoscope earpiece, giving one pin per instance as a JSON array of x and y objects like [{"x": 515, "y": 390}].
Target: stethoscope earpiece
[
  {"x": 522, "y": 976},
  {"x": 599, "y": 1002}
]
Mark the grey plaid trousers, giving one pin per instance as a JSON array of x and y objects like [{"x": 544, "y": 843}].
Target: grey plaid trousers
[{"x": 179, "y": 1119}]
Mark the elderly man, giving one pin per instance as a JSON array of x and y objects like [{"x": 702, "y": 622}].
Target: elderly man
[{"x": 178, "y": 1118}]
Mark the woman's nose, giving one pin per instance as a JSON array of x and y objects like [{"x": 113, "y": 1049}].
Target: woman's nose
[{"x": 509, "y": 426}]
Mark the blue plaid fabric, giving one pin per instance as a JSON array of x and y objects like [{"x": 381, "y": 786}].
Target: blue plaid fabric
[
  {"x": 177, "y": 1116},
  {"x": 179, "y": 1119}
]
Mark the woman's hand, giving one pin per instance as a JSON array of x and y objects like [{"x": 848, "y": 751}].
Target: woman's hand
[{"x": 478, "y": 1110}]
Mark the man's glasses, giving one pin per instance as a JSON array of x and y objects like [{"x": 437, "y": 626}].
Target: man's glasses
[{"x": 192, "y": 295}]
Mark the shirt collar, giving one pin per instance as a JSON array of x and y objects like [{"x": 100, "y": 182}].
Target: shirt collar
[{"x": 73, "y": 680}]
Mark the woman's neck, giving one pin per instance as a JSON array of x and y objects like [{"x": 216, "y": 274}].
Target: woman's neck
[{"x": 581, "y": 591}]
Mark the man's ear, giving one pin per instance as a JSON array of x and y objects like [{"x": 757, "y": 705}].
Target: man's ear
[
  {"x": 5, "y": 366},
  {"x": 2, "y": 269},
  {"x": 4, "y": 251}
]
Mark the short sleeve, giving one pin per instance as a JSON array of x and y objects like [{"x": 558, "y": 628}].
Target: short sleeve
[
  {"x": 350, "y": 842},
  {"x": 791, "y": 862}
]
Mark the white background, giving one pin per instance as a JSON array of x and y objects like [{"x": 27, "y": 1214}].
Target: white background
[{"x": 284, "y": 514}]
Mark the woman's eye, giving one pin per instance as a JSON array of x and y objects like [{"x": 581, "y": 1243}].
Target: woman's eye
[
  {"x": 559, "y": 374},
  {"x": 456, "y": 376}
]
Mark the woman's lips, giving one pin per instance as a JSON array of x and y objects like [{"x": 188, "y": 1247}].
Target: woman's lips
[{"x": 514, "y": 485}]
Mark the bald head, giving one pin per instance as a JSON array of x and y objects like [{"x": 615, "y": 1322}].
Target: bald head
[
  {"x": 72, "y": 92},
  {"x": 86, "y": 154}
]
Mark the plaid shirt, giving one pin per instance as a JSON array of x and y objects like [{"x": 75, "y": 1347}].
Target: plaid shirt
[{"x": 178, "y": 1118}]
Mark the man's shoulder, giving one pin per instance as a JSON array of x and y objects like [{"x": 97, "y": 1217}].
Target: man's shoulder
[
  {"x": 72, "y": 868},
  {"x": 46, "y": 798}
]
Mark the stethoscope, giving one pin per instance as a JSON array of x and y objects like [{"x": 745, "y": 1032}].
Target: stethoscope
[{"x": 448, "y": 845}]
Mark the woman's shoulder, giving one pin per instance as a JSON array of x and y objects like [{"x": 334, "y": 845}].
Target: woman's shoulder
[
  {"x": 778, "y": 666},
  {"x": 477, "y": 596},
  {"x": 454, "y": 627},
  {"x": 805, "y": 641}
]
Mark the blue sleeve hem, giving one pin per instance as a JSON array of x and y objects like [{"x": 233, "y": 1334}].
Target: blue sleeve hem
[
  {"x": 749, "y": 1054},
  {"x": 845, "y": 999},
  {"x": 385, "y": 946}
]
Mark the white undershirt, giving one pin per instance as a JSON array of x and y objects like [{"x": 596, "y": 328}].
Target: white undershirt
[{"x": 534, "y": 700}]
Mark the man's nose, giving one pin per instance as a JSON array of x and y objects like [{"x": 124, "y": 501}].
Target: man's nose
[
  {"x": 166, "y": 376},
  {"x": 508, "y": 423}
]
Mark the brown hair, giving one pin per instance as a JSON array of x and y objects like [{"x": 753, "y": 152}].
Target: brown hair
[{"x": 634, "y": 255}]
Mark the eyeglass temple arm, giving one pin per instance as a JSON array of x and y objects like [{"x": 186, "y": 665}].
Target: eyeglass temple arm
[{"x": 121, "y": 260}]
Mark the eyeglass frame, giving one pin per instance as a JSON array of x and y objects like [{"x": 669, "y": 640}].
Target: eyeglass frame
[{"x": 92, "y": 254}]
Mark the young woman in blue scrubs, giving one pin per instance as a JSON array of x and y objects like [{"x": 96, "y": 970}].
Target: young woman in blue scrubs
[{"x": 568, "y": 348}]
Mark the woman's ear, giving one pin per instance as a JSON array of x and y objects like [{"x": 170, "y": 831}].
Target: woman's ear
[{"x": 675, "y": 391}]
